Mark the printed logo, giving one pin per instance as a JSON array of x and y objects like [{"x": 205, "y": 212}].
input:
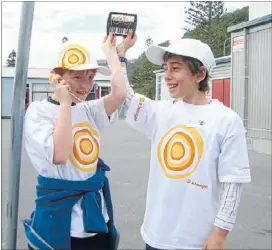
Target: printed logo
[
  {"x": 85, "y": 147},
  {"x": 189, "y": 181},
  {"x": 180, "y": 151},
  {"x": 141, "y": 101}
]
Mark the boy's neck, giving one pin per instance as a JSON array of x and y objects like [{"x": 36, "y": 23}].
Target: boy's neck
[{"x": 199, "y": 98}]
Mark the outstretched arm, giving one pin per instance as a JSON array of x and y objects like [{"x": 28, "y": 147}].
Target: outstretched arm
[
  {"x": 141, "y": 111},
  {"x": 117, "y": 95}
]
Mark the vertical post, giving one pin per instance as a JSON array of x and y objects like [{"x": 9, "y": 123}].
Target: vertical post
[
  {"x": 17, "y": 119},
  {"x": 245, "y": 116}
]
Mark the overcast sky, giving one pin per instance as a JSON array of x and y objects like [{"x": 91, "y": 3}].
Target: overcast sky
[{"x": 86, "y": 22}]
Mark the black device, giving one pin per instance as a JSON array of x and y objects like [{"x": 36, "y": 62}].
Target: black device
[{"x": 120, "y": 23}]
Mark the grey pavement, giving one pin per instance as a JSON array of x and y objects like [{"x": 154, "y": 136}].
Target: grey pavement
[{"x": 127, "y": 152}]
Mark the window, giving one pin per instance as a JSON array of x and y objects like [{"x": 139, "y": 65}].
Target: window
[{"x": 91, "y": 95}]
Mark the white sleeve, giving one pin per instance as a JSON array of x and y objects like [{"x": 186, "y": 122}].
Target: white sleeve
[
  {"x": 38, "y": 131},
  {"x": 141, "y": 111},
  {"x": 141, "y": 115},
  {"x": 129, "y": 91},
  {"x": 233, "y": 165},
  {"x": 96, "y": 109}
]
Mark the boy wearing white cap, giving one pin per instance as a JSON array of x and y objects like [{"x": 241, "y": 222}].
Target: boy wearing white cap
[
  {"x": 199, "y": 157},
  {"x": 62, "y": 135}
]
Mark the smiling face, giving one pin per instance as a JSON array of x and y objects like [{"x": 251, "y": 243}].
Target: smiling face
[
  {"x": 80, "y": 82},
  {"x": 181, "y": 76}
]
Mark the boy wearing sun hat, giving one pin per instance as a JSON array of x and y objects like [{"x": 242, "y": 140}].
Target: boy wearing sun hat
[
  {"x": 62, "y": 137},
  {"x": 199, "y": 157}
]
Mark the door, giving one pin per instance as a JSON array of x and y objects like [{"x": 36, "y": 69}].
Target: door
[{"x": 221, "y": 90}]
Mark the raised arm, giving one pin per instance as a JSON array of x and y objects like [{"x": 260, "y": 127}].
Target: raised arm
[
  {"x": 117, "y": 95},
  {"x": 141, "y": 111}
]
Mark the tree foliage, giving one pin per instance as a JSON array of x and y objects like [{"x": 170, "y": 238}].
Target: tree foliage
[
  {"x": 203, "y": 12},
  {"x": 218, "y": 34},
  {"x": 143, "y": 79},
  {"x": 11, "y": 60}
]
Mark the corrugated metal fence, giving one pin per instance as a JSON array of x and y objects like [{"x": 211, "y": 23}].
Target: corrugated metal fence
[{"x": 252, "y": 79}]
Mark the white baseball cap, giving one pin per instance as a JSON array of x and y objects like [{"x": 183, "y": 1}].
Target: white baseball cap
[
  {"x": 74, "y": 56},
  {"x": 185, "y": 47}
]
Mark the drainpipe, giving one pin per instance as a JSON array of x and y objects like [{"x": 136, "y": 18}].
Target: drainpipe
[{"x": 245, "y": 33}]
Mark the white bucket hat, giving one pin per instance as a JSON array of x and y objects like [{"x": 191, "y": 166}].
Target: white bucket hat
[
  {"x": 185, "y": 47},
  {"x": 74, "y": 56}
]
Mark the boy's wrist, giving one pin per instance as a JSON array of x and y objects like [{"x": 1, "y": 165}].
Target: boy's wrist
[{"x": 65, "y": 104}]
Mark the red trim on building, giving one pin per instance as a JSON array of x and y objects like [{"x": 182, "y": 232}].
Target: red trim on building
[
  {"x": 221, "y": 90},
  {"x": 97, "y": 93}
]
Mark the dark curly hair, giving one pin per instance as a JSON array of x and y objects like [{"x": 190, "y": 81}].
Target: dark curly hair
[{"x": 194, "y": 66}]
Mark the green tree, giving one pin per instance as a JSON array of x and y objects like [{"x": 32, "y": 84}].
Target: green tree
[
  {"x": 11, "y": 61},
  {"x": 143, "y": 78},
  {"x": 148, "y": 42},
  {"x": 200, "y": 13},
  {"x": 218, "y": 34},
  {"x": 204, "y": 11}
]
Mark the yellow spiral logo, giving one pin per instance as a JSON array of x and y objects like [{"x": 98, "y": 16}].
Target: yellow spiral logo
[
  {"x": 73, "y": 55},
  {"x": 180, "y": 151},
  {"x": 85, "y": 147}
]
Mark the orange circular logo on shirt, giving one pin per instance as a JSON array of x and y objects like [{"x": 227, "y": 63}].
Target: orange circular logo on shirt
[
  {"x": 180, "y": 151},
  {"x": 85, "y": 147}
]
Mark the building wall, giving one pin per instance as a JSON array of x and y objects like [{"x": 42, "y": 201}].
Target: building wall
[
  {"x": 251, "y": 82},
  {"x": 39, "y": 88},
  {"x": 219, "y": 73},
  {"x": 259, "y": 82},
  {"x": 7, "y": 92}
]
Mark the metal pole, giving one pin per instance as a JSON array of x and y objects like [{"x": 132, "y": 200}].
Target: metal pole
[
  {"x": 245, "y": 116},
  {"x": 17, "y": 120}
]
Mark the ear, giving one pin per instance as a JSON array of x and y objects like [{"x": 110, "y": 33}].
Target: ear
[{"x": 202, "y": 74}]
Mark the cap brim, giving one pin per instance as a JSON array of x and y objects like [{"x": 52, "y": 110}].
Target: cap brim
[
  {"x": 101, "y": 69},
  {"x": 155, "y": 54}
]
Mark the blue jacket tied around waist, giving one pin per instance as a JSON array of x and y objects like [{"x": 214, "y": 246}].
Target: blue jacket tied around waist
[{"x": 50, "y": 223}]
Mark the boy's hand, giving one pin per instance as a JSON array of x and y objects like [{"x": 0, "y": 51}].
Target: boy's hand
[
  {"x": 126, "y": 44},
  {"x": 109, "y": 44},
  {"x": 62, "y": 90},
  {"x": 217, "y": 240}
]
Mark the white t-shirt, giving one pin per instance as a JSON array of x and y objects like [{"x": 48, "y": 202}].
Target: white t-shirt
[
  {"x": 193, "y": 149},
  {"x": 88, "y": 119}
]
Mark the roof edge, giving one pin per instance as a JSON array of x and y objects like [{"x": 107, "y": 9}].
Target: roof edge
[{"x": 251, "y": 23}]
